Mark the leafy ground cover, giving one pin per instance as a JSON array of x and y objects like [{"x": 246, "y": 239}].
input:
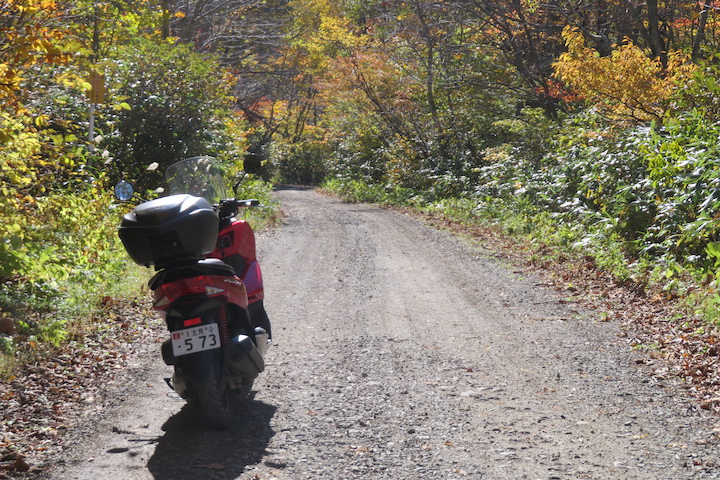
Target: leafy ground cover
[{"x": 49, "y": 395}]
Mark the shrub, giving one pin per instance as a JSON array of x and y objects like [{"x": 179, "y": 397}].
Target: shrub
[{"x": 178, "y": 104}]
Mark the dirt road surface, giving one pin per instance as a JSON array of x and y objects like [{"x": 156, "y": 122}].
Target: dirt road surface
[{"x": 404, "y": 353}]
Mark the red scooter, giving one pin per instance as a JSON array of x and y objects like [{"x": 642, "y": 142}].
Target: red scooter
[{"x": 208, "y": 285}]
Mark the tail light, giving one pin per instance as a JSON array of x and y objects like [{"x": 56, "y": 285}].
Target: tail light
[
  {"x": 170, "y": 292},
  {"x": 191, "y": 322}
]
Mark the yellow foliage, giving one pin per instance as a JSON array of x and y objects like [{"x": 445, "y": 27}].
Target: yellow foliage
[
  {"x": 26, "y": 39},
  {"x": 321, "y": 32},
  {"x": 627, "y": 85}
]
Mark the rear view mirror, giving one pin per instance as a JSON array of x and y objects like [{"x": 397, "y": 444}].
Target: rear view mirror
[
  {"x": 251, "y": 162},
  {"x": 124, "y": 191}
]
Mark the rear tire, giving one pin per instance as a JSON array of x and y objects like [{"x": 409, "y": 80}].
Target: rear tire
[
  {"x": 210, "y": 392},
  {"x": 214, "y": 400}
]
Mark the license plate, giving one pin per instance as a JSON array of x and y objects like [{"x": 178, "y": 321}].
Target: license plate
[{"x": 196, "y": 339}]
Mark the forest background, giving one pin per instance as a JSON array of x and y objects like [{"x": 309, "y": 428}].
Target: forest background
[{"x": 589, "y": 127}]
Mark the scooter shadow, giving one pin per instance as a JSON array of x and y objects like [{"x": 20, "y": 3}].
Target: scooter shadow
[{"x": 190, "y": 450}]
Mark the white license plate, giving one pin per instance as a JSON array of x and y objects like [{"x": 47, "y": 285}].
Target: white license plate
[{"x": 196, "y": 339}]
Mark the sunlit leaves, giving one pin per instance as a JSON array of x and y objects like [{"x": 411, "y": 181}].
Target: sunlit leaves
[
  {"x": 100, "y": 28},
  {"x": 321, "y": 30},
  {"x": 627, "y": 84},
  {"x": 28, "y": 36}
]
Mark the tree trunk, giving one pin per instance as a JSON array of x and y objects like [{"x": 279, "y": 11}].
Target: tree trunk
[
  {"x": 657, "y": 45},
  {"x": 700, "y": 36},
  {"x": 429, "y": 39},
  {"x": 165, "y": 5}
]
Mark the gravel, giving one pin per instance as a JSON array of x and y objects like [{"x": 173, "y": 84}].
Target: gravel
[{"x": 403, "y": 352}]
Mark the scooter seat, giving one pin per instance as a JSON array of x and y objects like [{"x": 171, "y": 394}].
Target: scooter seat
[
  {"x": 210, "y": 266},
  {"x": 215, "y": 266}
]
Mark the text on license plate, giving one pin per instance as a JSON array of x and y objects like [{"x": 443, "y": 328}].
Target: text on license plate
[{"x": 195, "y": 339}]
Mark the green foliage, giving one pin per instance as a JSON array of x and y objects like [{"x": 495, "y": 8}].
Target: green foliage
[
  {"x": 60, "y": 257},
  {"x": 360, "y": 191},
  {"x": 178, "y": 106},
  {"x": 68, "y": 239},
  {"x": 6, "y": 345},
  {"x": 68, "y": 256},
  {"x": 651, "y": 191},
  {"x": 265, "y": 215},
  {"x": 299, "y": 162},
  {"x": 355, "y": 190},
  {"x": 701, "y": 93}
]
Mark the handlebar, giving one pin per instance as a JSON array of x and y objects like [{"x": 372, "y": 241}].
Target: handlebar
[
  {"x": 246, "y": 203},
  {"x": 230, "y": 206}
]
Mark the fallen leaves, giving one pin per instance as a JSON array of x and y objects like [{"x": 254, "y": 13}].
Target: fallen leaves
[
  {"x": 52, "y": 393},
  {"x": 678, "y": 346}
]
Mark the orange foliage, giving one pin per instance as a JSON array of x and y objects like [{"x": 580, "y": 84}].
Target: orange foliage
[
  {"x": 27, "y": 38},
  {"x": 556, "y": 90},
  {"x": 378, "y": 80}
]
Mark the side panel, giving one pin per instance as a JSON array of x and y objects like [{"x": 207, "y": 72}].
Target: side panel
[
  {"x": 237, "y": 239},
  {"x": 254, "y": 282}
]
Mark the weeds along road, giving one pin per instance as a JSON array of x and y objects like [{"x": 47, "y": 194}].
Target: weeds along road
[{"x": 403, "y": 353}]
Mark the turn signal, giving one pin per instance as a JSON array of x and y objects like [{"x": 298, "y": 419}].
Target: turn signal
[{"x": 210, "y": 290}]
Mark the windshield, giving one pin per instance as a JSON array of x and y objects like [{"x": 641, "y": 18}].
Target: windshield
[{"x": 199, "y": 176}]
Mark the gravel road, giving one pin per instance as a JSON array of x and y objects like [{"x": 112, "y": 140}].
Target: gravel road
[{"x": 404, "y": 353}]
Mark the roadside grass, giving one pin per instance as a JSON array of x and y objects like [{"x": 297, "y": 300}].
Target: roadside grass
[{"x": 48, "y": 319}]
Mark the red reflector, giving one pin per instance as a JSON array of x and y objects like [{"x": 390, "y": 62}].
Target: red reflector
[{"x": 191, "y": 322}]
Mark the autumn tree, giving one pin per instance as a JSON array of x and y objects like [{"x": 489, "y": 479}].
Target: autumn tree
[
  {"x": 627, "y": 84},
  {"x": 30, "y": 35},
  {"x": 430, "y": 83}
]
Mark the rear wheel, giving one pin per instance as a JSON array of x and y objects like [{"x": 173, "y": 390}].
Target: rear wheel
[
  {"x": 211, "y": 394},
  {"x": 214, "y": 402}
]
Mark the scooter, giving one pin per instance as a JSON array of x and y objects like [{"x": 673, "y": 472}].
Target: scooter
[{"x": 208, "y": 285}]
